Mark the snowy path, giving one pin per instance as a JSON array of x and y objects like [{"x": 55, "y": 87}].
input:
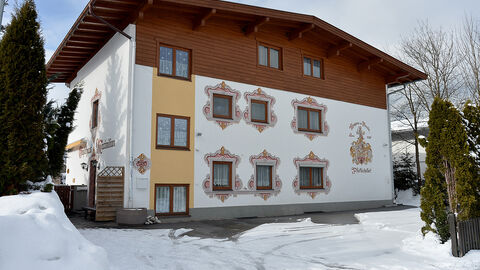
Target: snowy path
[{"x": 382, "y": 240}]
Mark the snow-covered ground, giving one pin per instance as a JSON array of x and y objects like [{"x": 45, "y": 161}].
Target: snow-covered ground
[
  {"x": 406, "y": 197},
  {"x": 382, "y": 240},
  {"x": 36, "y": 234}
]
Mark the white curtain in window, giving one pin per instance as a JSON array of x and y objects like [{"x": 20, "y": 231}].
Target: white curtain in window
[
  {"x": 262, "y": 55},
  {"x": 302, "y": 119},
  {"x": 317, "y": 177},
  {"x": 180, "y": 132},
  {"x": 221, "y": 106},
  {"x": 164, "y": 130},
  {"x": 274, "y": 58},
  {"x": 166, "y": 60},
  {"x": 304, "y": 176},
  {"x": 263, "y": 176},
  {"x": 179, "y": 199},
  {"x": 221, "y": 175},
  {"x": 316, "y": 68},
  {"x": 314, "y": 120},
  {"x": 307, "y": 68},
  {"x": 162, "y": 201},
  {"x": 181, "y": 64},
  {"x": 258, "y": 111}
]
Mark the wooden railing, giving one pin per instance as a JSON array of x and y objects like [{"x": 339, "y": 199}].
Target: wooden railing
[{"x": 465, "y": 235}]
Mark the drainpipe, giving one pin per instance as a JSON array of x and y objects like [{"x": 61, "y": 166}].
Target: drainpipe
[{"x": 131, "y": 79}]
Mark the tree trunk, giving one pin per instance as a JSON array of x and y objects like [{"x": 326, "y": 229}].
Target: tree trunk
[
  {"x": 450, "y": 179},
  {"x": 417, "y": 161}
]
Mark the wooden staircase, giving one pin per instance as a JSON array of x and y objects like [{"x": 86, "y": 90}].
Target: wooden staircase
[{"x": 109, "y": 193}]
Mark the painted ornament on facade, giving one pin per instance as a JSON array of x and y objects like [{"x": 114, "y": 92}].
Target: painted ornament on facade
[
  {"x": 268, "y": 159},
  {"x": 96, "y": 97},
  {"x": 311, "y": 160},
  {"x": 360, "y": 149},
  {"x": 271, "y": 118},
  {"x": 222, "y": 89},
  {"x": 142, "y": 163},
  {"x": 309, "y": 102},
  {"x": 222, "y": 155}
]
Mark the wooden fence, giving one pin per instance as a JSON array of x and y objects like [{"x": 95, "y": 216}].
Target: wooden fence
[
  {"x": 465, "y": 235},
  {"x": 109, "y": 193}
]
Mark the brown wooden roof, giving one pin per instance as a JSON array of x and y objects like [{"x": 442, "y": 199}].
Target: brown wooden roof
[{"x": 89, "y": 33}]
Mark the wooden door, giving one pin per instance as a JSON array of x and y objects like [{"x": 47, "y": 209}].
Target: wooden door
[{"x": 91, "y": 184}]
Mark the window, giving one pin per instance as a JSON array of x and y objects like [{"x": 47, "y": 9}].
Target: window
[
  {"x": 264, "y": 176},
  {"x": 174, "y": 62},
  {"x": 171, "y": 199},
  {"x": 222, "y": 106},
  {"x": 311, "y": 177},
  {"x": 259, "y": 111},
  {"x": 309, "y": 119},
  {"x": 173, "y": 132},
  {"x": 95, "y": 114},
  {"x": 312, "y": 67},
  {"x": 222, "y": 175},
  {"x": 269, "y": 56}
]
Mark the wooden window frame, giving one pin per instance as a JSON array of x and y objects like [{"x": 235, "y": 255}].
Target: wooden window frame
[
  {"x": 229, "y": 187},
  {"x": 312, "y": 58},
  {"x": 271, "y": 177},
  {"x": 230, "y": 98},
  {"x": 172, "y": 132},
  {"x": 320, "y": 119},
  {"x": 174, "y": 61},
  {"x": 95, "y": 105},
  {"x": 280, "y": 56},
  {"x": 311, "y": 186},
  {"x": 265, "y": 103},
  {"x": 171, "y": 213}
]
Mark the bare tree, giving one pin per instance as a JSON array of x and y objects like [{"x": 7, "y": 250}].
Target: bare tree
[
  {"x": 469, "y": 48},
  {"x": 435, "y": 53},
  {"x": 408, "y": 110}
]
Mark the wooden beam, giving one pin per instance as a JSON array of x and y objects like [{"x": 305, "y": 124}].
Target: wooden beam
[
  {"x": 368, "y": 64},
  {"x": 335, "y": 50},
  {"x": 253, "y": 27},
  {"x": 202, "y": 20},
  {"x": 396, "y": 77},
  {"x": 146, "y": 6},
  {"x": 298, "y": 33}
]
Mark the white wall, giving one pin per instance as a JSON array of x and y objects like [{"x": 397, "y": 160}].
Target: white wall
[
  {"x": 108, "y": 72},
  {"x": 244, "y": 140}
]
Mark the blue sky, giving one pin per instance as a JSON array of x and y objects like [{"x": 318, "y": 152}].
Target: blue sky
[{"x": 381, "y": 23}]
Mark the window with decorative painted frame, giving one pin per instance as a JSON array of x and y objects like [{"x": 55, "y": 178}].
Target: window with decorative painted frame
[
  {"x": 309, "y": 119},
  {"x": 222, "y": 175}
]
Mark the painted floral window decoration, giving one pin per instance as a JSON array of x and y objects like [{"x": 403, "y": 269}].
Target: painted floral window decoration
[
  {"x": 259, "y": 112},
  {"x": 307, "y": 167},
  {"x": 221, "y": 106},
  {"x": 265, "y": 181},
  {"x": 309, "y": 118},
  {"x": 222, "y": 157}
]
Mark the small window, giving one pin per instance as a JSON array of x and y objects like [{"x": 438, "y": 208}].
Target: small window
[
  {"x": 264, "y": 176},
  {"x": 259, "y": 111},
  {"x": 312, "y": 67},
  {"x": 95, "y": 114},
  {"x": 311, "y": 177},
  {"x": 269, "y": 56},
  {"x": 309, "y": 119},
  {"x": 222, "y": 106},
  {"x": 222, "y": 175},
  {"x": 174, "y": 62},
  {"x": 171, "y": 199},
  {"x": 173, "y": 132}
]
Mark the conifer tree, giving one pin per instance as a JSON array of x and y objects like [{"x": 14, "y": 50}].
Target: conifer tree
[
  {"x": 403, "y": 174},
  {"x": 23, "y": 90},
  {"x": 449, "y": 169},
  {"x": 58, "y": 125}
]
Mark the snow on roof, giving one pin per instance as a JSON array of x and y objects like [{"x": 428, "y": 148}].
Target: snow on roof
[{"x": 403, "y": 125}]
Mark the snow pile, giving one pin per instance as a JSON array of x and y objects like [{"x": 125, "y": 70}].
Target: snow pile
[
  {"x": 36, "y": 234},
  {"x": 406, "y": 197},
  {"x": 382, "y": 240}
]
